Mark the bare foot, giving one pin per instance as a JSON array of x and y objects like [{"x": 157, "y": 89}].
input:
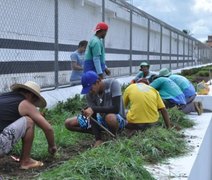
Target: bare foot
[
  {"x": 31, "y": 163},
  {"x": 98, "y": 143}
]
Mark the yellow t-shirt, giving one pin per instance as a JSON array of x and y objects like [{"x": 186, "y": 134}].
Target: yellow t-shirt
[{"x": 143, "y": 102}]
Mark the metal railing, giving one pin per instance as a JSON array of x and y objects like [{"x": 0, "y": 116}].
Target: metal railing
[{"x": 37, "y": 37}]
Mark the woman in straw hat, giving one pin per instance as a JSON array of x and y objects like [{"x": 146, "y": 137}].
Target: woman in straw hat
[{"x": 18, "y": 116}]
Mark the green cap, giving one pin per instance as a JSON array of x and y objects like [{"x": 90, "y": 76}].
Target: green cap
[
  {"x": 164, "y": 72},
  {"x": 144, "y": 64}
]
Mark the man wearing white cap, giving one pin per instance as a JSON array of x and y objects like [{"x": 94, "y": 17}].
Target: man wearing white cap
[
  {"x": 144, "y": 75},
  {"x": 18, "y": 116},
  {"x": 95, "y": 52}
]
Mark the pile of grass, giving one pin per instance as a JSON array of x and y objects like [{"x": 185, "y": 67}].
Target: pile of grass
[
  {"x": 122, "y": 159},
  {"x": 179, "y": 120}
]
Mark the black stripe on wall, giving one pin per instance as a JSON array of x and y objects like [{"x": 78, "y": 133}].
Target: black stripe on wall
[
  {"x": 43, "y": 46},
  {"x": 13, "y": 67}
]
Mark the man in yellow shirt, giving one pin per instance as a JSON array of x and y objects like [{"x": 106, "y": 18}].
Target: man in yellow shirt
[{"x": 143, "y": 103}]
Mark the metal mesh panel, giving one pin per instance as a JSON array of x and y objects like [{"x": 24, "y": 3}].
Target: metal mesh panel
[
  {"x": 27, "y": 37},
  {"x": 38, "y": 36}
]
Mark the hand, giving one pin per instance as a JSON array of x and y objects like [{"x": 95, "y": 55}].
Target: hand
[
  {"x": 101, "y": 76},
  {"x": 107, "y": 72},
  {"x": 88, "y": 112},
  {"x": 132, "y": 82},
  {"x": 143, "y": 80},
  {"x": 52, "y": 150}
]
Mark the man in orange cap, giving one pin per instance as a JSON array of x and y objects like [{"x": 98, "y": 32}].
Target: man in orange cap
[{"x": 95, "y": 52}]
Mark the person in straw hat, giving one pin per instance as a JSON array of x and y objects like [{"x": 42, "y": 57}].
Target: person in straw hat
[{"x": 18, "y": 116}]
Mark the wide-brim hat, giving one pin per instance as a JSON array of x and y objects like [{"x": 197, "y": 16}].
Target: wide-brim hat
[
  {"x": 34, "y": 88},
  {"x": 164, "y": 72}
]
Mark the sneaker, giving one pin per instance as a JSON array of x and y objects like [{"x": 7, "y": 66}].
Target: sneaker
[
  {"x": 200, "y": 106},
  {"x": 197, "y": 108}
]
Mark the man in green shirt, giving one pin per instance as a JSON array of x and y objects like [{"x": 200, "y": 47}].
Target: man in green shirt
[{"x": 95, "y": 52}]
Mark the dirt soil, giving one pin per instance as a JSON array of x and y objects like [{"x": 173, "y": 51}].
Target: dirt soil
[{"x": 9, "y": 169}]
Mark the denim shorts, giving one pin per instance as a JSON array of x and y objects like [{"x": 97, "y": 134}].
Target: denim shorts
[
  {"x": 84, "y": 123},
  {"x": 12, "y": 134},
  {"x": 120, "y": 119}
]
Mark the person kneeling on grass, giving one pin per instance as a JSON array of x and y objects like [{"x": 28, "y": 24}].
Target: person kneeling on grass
[
  {"x": 143, "y": 102},
  {"x": 18, "y": 116},
  {"x": 105, "y": 104},
  {"x": 188, "y": 90}
]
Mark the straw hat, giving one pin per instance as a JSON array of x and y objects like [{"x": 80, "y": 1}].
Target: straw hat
[
  {"x": 164, "y": 72},
  {"x": 32, "y": 87}
]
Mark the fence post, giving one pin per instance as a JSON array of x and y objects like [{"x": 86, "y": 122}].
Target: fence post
[
  {"x": 170, "y": 49},
  {"x": 183, "y": 51},
  {"x": 148, "y": 40},
  {"x": 130, "y": 63},
  {"x": 161, "y": 45},
  {"x": 178, "y": 50},
  {"x": 103, "y": 10},
  {"x": 56, "y": 44}
]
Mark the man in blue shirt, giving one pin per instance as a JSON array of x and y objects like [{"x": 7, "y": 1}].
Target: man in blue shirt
[{"x": 77, "y": 61}]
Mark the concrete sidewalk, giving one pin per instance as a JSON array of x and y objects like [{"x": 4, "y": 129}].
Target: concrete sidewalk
[{"x": 196, "y": 165}]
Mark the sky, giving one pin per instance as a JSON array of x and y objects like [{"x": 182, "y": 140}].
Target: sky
[{"x": 195, "y": 16}]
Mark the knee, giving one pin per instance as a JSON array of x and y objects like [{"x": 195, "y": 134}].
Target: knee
[
  {"x": 111, "y": 119},
  {"x": 30, "y": 122},
  {"x": 69, "y": 123},
  {"x": 66, "y": 123}
]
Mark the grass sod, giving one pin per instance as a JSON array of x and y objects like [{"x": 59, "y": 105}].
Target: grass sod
[
  {"x": 123, "y": 158},
  {"x": 179, "y": 119},
  {"x": 112, "y": 161}
]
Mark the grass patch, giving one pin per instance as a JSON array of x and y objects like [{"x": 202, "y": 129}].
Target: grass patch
[
  {"x": 122, "y": 159},
  {"x": 179, "y": 118},
  {"x": 107, "y": 162}
]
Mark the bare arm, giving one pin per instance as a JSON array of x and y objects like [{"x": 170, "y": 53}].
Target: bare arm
[
  {"x": 75, "y": 66},
  {"x": 165, "y": 117},
  {"x": 27, "y": 109}
]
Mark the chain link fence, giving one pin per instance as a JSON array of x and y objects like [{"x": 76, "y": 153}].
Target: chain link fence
[{"x": 38, "y": 36}]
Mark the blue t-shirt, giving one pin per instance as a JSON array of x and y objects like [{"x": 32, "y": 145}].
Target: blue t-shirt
[
  {"x": 185, "y": 85},
  {"x": 79, "y": 59},
  {"x": 95, "y": 51},
  {"x": 169, "y": 90}
]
